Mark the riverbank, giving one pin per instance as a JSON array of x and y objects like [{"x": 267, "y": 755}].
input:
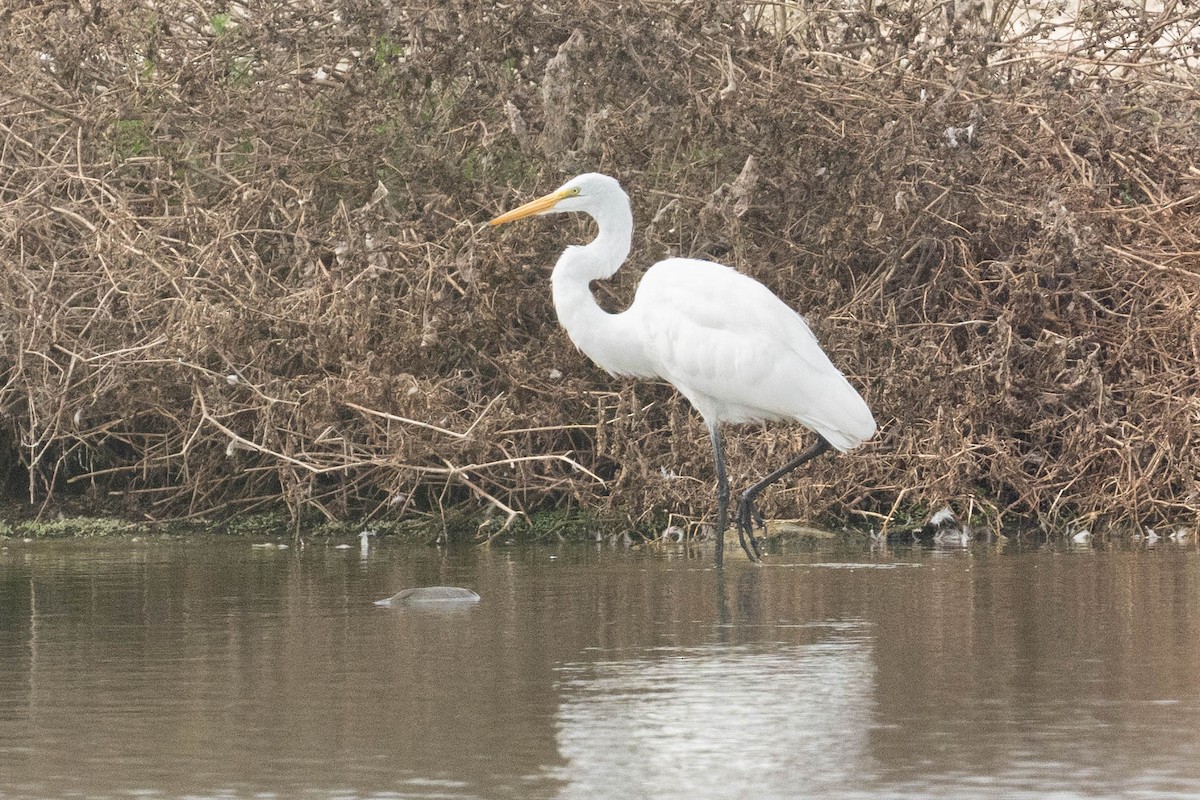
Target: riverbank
[{"x": 245, "y": 262}]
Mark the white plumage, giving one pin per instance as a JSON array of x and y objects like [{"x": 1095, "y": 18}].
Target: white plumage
[
  {"x": 736, "y": 351},
  {"x": 740, "y": 354}
]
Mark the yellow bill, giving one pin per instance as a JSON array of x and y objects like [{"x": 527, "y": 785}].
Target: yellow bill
[{"x": 539, "y": 206}]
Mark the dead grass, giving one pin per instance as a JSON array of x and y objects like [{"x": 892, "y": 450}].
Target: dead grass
[{"x": 244, "y": 262}]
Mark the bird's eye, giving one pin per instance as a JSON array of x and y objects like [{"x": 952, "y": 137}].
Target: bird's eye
[{"x": 575, "y": 192}]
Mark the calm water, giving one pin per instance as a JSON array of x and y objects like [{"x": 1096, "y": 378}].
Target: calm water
[{"x": 167, "y": 668}]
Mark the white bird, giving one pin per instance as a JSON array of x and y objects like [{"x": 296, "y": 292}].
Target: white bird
[{"x": 736, "y": 351}]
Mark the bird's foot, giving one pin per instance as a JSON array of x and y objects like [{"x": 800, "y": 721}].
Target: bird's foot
[{"x": 746, "y": 517}]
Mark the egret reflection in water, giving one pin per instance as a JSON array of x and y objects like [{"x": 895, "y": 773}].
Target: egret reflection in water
[{"x": 717, "y": 722}]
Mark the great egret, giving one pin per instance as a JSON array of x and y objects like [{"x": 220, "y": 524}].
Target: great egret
[{"x": 736, "y": 351}]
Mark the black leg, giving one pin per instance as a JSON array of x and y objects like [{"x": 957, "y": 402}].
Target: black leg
[
  {"x": 747, "y": 515},
  {"x": 722, "y": 492}
]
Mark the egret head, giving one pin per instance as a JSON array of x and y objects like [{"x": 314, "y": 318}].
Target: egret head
[{"x": 589, "y": 192}]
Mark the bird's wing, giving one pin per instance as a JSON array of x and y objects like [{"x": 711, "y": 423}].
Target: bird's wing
[{"x": 739, "y": 353}]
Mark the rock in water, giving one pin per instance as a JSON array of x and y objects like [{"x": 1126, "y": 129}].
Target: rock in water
[{"x": 430, "y": 594}]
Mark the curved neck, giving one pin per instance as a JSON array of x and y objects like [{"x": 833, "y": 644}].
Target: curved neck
[
  {"x": 604, "y": 255},
  {"x": 605, "y": 338}
]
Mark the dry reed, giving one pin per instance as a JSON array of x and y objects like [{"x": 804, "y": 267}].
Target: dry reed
[{"x": 243, "y": 262}]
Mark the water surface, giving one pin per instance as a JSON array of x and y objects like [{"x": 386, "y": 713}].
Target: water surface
[{"x": 199, "y": 668}]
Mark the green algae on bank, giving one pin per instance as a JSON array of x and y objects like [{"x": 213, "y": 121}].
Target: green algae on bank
[
  {"x": 457, "y": 527},
  {"x": 540, "y": 528},
  {"x": 67, "y": 527}
]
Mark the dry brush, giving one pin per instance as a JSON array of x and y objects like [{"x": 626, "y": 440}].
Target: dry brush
[{"x": 243, "y": 261}]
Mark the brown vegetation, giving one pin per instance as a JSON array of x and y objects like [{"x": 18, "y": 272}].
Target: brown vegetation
[{"x": 243, "y": 259}]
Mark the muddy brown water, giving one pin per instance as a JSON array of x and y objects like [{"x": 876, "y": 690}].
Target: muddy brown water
[{"x": 191, "y": 668}]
